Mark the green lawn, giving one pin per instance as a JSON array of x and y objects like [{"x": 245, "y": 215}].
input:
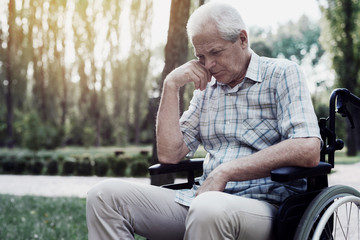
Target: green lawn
[
  {"x": 30, "y": 217},
  {"x": 341, "y": 158}
]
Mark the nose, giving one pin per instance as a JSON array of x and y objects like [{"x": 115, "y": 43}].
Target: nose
[{"x": 209, "y": 63}]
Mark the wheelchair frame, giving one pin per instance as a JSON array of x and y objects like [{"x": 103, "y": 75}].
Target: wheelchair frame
[{"x": 309, "y": 215}]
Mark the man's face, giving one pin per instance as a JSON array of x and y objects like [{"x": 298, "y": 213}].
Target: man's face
[{"x": 225, "y": 60}]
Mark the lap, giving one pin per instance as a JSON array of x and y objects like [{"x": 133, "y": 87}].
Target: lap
[
  {"x": 241, "y": 218},
  {"x": 234, "y": 202},
  {"x": 150, "y": 210}
]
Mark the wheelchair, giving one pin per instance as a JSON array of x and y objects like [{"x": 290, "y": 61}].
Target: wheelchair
[{"x": 322, "y": 212}]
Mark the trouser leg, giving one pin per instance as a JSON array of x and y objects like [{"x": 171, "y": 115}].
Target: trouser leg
[
  {"x": 217, "y": 215},
  {"x": 117, "y": 209}
]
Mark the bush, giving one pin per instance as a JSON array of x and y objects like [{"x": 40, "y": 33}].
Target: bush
[
  {"x": 36, "y": 167},
  {"x": 119, "y": 166},
  {"x": 19, "y": 165},
  {"x": 2, "y": 158},
  {"x": 88, "y": 136},
  {"x": 8, "y": 164},
  {"x": 53, "y": 167},
  {"x": 85, "y": 167},
  {"x": 69, "y": 166},
  {"x": 139, "y": 168},
  {"x": 101, "y": 167},
  {"x": 34, "y": 134}
]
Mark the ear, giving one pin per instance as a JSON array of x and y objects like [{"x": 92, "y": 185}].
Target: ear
[{"x": 243, "y": 39}]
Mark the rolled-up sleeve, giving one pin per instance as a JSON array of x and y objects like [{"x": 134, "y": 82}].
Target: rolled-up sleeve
[{"x": 295, "y": 111}]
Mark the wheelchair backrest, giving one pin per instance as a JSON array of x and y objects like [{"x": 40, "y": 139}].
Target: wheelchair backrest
[{"x": 338, "y": 104}]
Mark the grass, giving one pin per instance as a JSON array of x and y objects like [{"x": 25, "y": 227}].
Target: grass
[
  {"x": 30, "y": 217},
  {"x": 342, "y": 158}
]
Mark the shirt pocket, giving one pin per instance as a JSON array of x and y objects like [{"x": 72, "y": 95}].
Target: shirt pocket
[{"x": 260, "y": 133}]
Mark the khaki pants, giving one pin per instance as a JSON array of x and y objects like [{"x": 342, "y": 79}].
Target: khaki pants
[{"x": 117, "y": 209}]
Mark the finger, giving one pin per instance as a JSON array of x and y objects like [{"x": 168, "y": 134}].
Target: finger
[
  {"x": 195, "y": 80},
  {"x": 194, "y": 75},
  {"x": 203, "y": 76},
  {"x": 208, "y": 74}
]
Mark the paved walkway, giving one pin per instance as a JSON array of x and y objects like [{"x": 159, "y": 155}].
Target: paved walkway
[
  {"x": 52, "y": 186},
  {"x": 57, "y": 186}
]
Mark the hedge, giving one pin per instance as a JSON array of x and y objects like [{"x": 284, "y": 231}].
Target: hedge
[{"x": 79, "y": 165}]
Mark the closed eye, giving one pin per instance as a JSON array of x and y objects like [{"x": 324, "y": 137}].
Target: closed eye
[
  {"x": 201, "y": 59},
  {"x": 217, "y": 52}
]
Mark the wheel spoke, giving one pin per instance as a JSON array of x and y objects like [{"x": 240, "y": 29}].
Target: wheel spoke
[
  {"x": 340, "y": 224},
  {"x": 348, "y": 219}
]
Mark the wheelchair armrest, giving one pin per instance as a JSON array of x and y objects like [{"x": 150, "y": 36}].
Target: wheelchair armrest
[
  {"x": 183, "y": 166},
  {"x": 287, "y": 174}
]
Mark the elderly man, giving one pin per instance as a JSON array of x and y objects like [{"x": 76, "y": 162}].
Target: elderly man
[{"x": 252, "y": 115}]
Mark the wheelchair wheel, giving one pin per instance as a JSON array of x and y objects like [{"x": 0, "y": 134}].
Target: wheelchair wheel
[{"x": 333, "y": 214}]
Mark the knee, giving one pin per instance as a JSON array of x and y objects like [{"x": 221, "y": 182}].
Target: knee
[
  {"x": 100, "y": 193},
  {"x": 204, "y": 209}
]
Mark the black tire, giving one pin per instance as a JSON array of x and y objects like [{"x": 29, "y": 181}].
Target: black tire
[{"x": 317, "y": 207}]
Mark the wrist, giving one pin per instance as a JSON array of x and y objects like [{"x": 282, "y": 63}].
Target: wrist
[
  {"x": 170, "y": 84},
  {"x": 223, "y": 172}
]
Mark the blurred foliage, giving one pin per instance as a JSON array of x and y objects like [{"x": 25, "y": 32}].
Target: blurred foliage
[
  {"x": 77, "y": 162},
  {"x": 84, "y": 73},
  {"x": 292, "y": 40},
  {"x": 67, "y": 75}
]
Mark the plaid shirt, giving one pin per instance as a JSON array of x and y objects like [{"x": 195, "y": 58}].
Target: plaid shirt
[{"x": 271, "y": 104}]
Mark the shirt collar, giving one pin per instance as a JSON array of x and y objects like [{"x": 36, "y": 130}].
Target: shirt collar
[{"x": 252, "y": 72}]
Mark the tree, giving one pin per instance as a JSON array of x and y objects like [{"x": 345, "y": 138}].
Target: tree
[
  {"x": 140, "y": 25},
  {"x": 90, "y": 64},
  {"x": 340, "y": 38},
  {"x": 175, "y": 54},
  {"x": 9, "y": 83},
  {"x": 296, "y": 40}
]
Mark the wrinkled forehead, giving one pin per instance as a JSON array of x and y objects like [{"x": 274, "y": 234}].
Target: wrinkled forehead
[
  {"x": 208, "y": 39},
  {"x": 208, "y": 34}
]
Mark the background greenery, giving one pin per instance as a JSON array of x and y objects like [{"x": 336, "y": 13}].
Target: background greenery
[
  {"x": 83, "y": 73},
  {"x": 105, "y": 161},
  {"x": 32, "y": 218}
]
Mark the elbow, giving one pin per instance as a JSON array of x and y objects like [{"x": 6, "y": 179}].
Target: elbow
[
  {"x": 312, "y": 150},
  {"x": 166, "y": 159},
  {"x": 167, "y": 156},
  {"x": 171, "y": 154},
  {"x": 314, "y": 161}
]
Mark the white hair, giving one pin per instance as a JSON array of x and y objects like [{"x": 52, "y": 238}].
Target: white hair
[{"x": 226, "y": 18}]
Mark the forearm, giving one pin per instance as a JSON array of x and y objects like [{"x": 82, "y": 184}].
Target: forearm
[
  {"x": 170, "y": 144},
  {"x": 303, "y": 152}
]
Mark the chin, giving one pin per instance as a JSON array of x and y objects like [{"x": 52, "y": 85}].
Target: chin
[{"x": 221, "y": 79}]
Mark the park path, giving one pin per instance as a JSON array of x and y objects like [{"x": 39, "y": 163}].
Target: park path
[
  {"x": 52, "y": 186},
  {"x": 58, "y": 186}
]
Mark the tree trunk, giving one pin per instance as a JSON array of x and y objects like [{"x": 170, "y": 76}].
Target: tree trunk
[
  {"x": 9, "y": 62},
  {"x": 352, "y": 139},
  {"x": 175, "y": 55},
  {"x": 64, "y": 101}
]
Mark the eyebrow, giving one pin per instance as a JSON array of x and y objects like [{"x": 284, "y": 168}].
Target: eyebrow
[{"x": 212, "y": 50}]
